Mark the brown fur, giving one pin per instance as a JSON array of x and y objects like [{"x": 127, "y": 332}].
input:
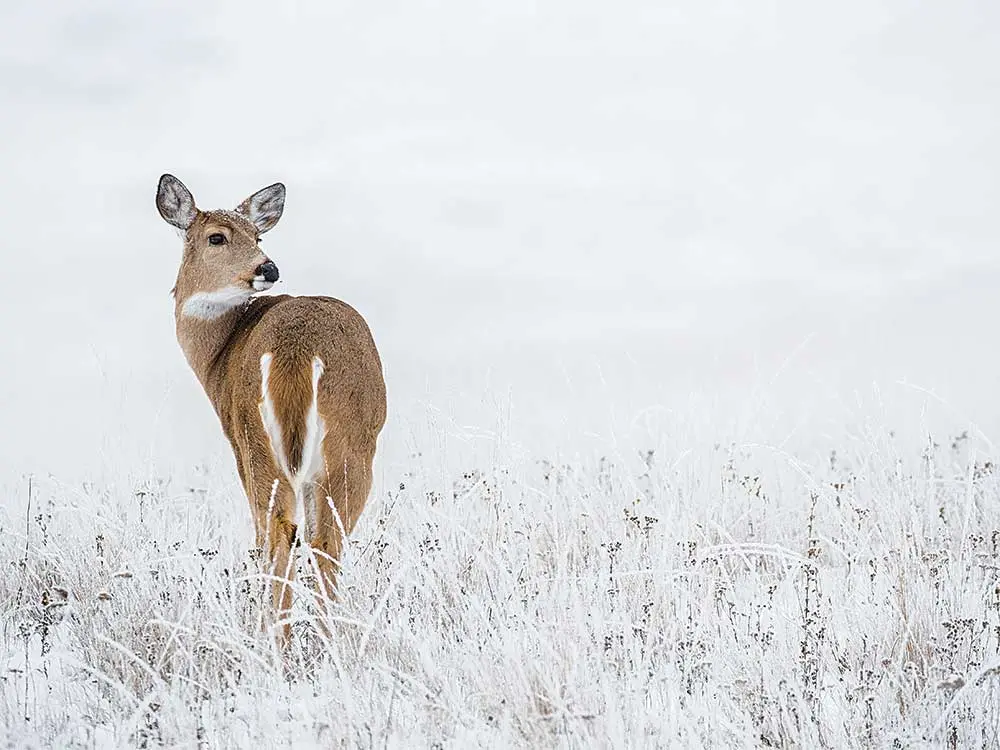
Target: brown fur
[
  {"x": 290, "y": 387},
  {"x": 225, "y": 354}
]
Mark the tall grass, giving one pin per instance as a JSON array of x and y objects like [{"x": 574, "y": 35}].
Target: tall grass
[{"x": 700, "y": 595}]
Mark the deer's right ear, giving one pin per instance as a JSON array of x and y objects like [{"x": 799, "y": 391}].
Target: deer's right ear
[{"x": 175, "y": 202}]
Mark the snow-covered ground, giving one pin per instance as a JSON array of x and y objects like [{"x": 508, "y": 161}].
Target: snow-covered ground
[
  {"x": 696, "y": 594},
  {"x": 743, "y": 236}
]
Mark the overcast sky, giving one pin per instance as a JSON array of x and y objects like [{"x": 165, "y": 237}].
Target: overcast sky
[{"x": 577, "y": 208}]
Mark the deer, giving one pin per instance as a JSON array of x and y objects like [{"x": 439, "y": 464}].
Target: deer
[{"x": 296, "y": 382}]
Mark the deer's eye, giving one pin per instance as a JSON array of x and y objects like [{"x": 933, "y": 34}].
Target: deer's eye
[{"x": 216, "y": 239}]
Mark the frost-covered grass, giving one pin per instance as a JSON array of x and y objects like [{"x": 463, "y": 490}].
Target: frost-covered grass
[{"x": 689, "y": 595}]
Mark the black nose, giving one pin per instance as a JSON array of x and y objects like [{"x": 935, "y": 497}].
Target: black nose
[{"x": 268, "y": 270}]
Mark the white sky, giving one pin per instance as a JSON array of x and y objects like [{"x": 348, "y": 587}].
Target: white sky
[{"x": 581, "y": 208}]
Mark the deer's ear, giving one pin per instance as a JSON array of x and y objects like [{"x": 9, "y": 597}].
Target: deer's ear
[
  {"x": 175, "y": 202},
  {"x": 264, "y": 207}
]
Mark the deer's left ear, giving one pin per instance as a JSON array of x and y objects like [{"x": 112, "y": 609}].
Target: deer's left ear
[{"x": 264, "y": 207}]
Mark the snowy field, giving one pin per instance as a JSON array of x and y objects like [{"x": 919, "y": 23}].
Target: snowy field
[
  {"x": 687, "y": 312},
  {"x": 693, "y": 594}
]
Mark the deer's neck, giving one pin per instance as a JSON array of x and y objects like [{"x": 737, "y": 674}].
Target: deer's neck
[{"x": 207, "y": 336}]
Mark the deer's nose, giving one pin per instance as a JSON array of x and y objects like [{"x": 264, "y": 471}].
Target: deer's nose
[{"x": 268, "y": 270}]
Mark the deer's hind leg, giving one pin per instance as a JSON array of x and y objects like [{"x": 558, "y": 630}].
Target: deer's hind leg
[
  {"x": 339, "y": 495},
  {"x": 272, "y": 504}
]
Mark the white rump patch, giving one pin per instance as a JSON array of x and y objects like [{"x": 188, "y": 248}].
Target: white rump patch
[
  {"x": 312, "y": 447},
  {"x": 212, "y": 305},
  {"x": 267, "y": 415}
]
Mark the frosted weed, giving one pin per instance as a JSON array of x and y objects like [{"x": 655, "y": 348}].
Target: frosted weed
[{"x": 706, "y": 594}]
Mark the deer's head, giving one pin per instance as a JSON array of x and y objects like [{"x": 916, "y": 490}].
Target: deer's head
[{"x": 223, "y": 263}]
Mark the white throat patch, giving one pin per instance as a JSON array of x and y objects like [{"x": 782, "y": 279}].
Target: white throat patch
[{"x": 212, "y": 305}]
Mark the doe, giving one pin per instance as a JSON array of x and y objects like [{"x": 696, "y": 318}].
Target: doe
[{"x": 295, "y": 381}]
